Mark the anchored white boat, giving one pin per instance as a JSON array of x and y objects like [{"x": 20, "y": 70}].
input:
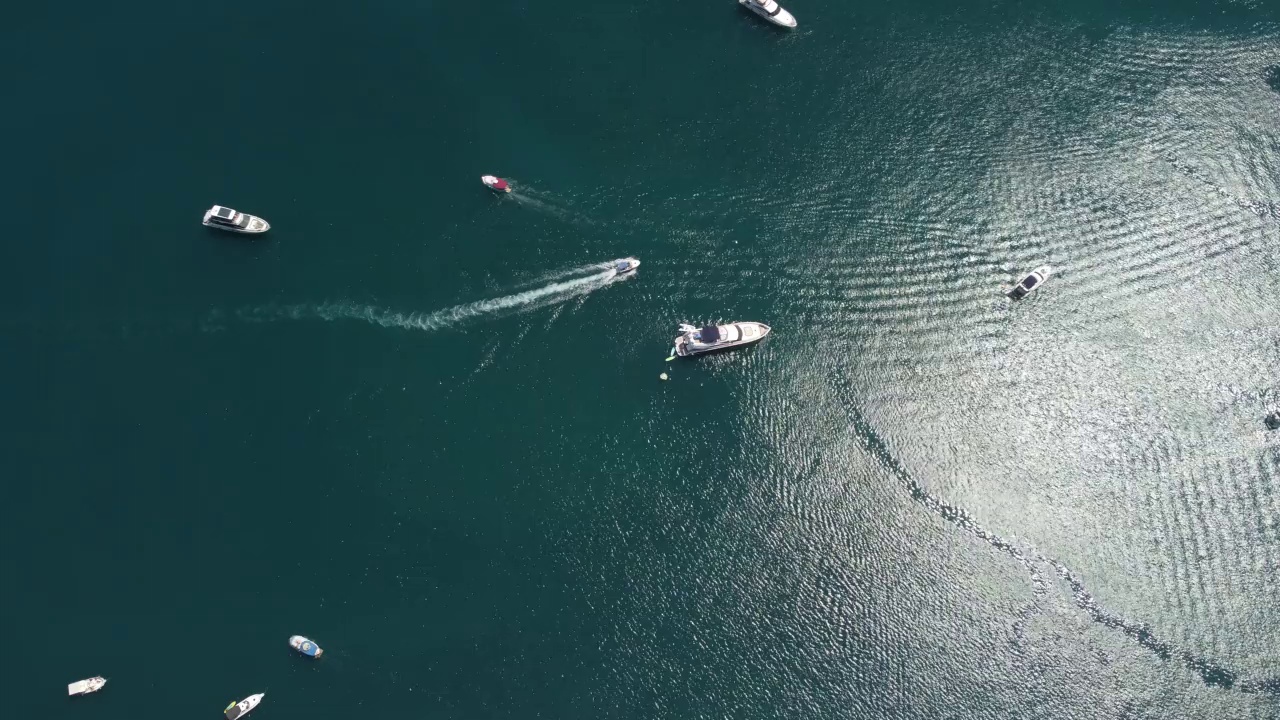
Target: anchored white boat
[
  {"x": 305, "y": 646},
  {"x": 626, "y": 265},
  {"x": 1028, "y": 284},
  {"x": 770, "y": 10},
  {"x": 495, "y": 183},
  {"x": 240, "y": 709},
  {"x": 224, "y": 218},
  {"x": 712, "y": 338},
  {"x": 84, "y": 687}
]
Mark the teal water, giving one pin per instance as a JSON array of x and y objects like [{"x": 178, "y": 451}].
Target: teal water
[{"x": 417, "y": 424}]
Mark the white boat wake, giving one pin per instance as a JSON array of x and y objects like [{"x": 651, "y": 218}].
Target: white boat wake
[
  {"x": 548, "y": 205},
  {"x": 550, "y": 294}
]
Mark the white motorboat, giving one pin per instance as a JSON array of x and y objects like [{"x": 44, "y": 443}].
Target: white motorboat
[
  {"x": 224, "y": 218},
  {"x": 240, "y": 709},
  {"x": 305, "y": 646},
  {"x": 626, "y": 265},
  {"x": 712, "y": 338},
  {"x": 495, "y": 183},
  {"x": 84, "y": 687},
  {"x": 770, "y": 10},
  {"x": 1031, "y": 282}
]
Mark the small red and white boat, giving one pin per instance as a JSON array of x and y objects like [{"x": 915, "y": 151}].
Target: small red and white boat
[{"x": 495, "y": 183}]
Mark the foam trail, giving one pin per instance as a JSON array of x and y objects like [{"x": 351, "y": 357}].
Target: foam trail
[
  {"x": 545, "y": 204},
  {"x": 441, "y": 319},
  {"x": 593, "y": 268}
]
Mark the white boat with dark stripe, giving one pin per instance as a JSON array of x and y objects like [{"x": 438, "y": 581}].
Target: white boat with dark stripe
[
  {"x": 1029, "y": 283},
  {"x": 224, "y": 218},
  {"x": 713, "y": 338},
  {"x": 238, "y": 710},
  {"x": 770, "y": 10}
]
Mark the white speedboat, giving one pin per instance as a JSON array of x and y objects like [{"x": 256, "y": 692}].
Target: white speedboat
[
  {"x": 626, "y": 265},
  {"x": 84, "y": 687},
  {"x": 305, "y": 646},
  {"x": 224, "y": 218},
  {"x": 1028, "y": 284},
  {"x": 712, "y": 338},
  {"x": 770, "y": 10},
  {"x": 495, "y": 183},
  {"x": 240, "y": 709}
]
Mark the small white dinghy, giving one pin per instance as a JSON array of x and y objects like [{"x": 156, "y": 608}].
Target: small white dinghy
[
  {"x": 242, "y": 708},
  {"x": 84, "y": 687},
  {"x": 770, "y": 10}
]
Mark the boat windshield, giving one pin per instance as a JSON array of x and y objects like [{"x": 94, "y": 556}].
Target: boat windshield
[
  {"x": 769, "y": 6},
  {"x": 1030, "y": 281},
  {"x": 243, "y": 221}
]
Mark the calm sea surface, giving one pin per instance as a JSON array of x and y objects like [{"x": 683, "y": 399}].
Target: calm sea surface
[{"x": 420, "y": 424}]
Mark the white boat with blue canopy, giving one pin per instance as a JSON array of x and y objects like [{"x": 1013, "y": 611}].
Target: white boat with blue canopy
[
  {"x": 626, "y": 265},
  {"x": 712, "y": 338},
  {"x": 305, "y": 646}
]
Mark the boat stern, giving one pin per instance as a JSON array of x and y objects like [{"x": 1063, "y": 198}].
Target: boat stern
[{"x": 680, "y": 346}]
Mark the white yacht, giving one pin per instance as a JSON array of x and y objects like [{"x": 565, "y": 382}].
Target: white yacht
[
  {"x": 1026, "y": 285},
  {"x": 84, "y": 687},
  {"x": 626, "y": 265},
  {"x": 770, "y": 10},
  {"x": 224, "y": 218},
  {"x": 711, "y": 338},
  {"x": 240, "y": 709}
]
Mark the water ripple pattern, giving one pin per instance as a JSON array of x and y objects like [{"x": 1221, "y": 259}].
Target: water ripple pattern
[{"x": 1104, "y": 437}]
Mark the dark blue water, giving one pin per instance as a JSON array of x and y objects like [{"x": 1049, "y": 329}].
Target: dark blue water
[{"x": 423, "y": 426}]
